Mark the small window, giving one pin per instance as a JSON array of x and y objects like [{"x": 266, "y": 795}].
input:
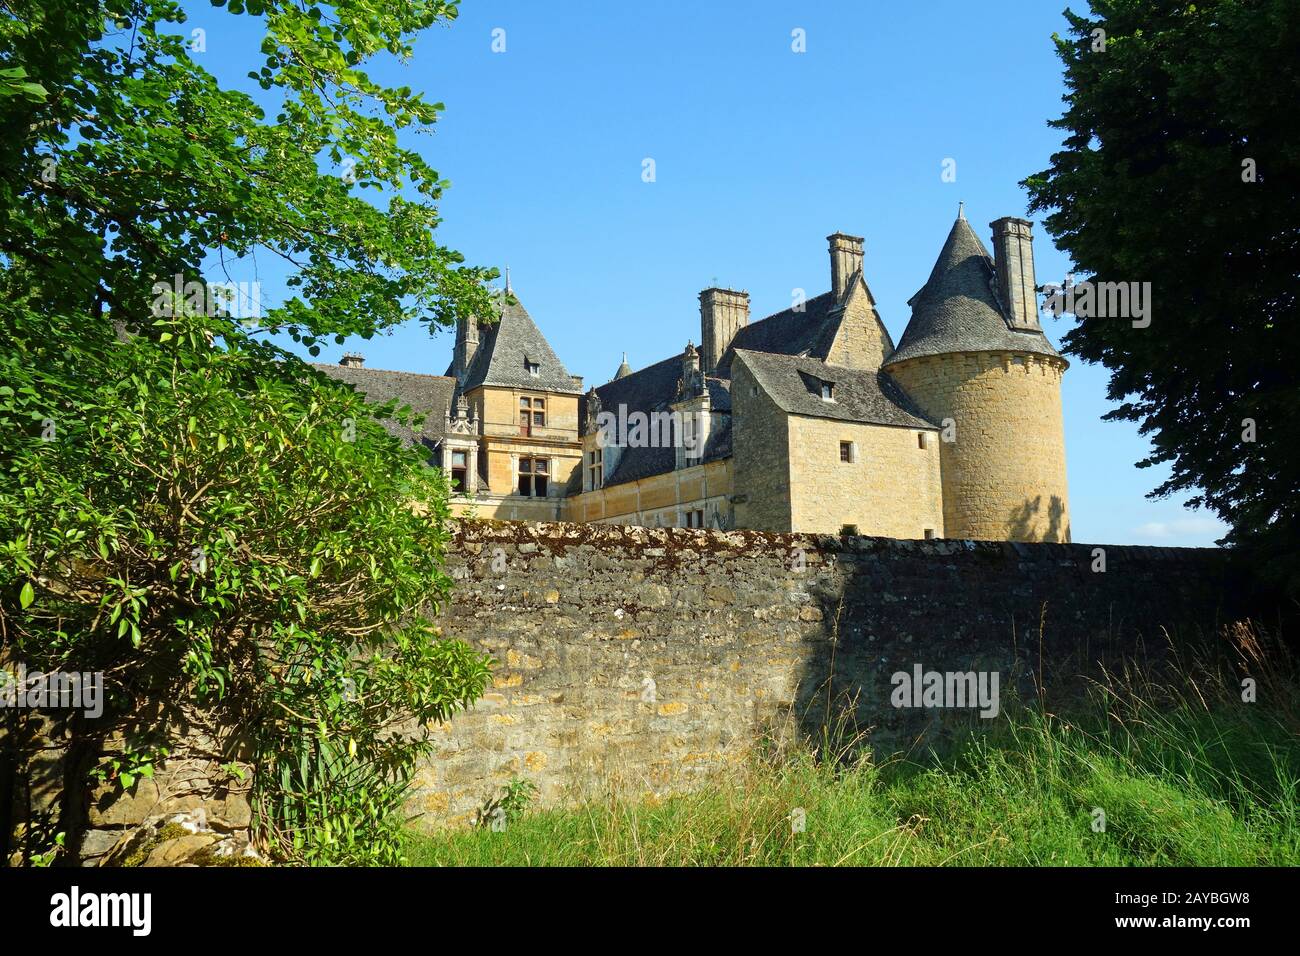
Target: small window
[
  {"x": 929, "y": 534},
  {"x": 595, "y": 469},
  {"x": 459, "y": 469},
  {"x": 532, "y": 413},
  {"x": 828, "y": 391},
  {"x": 533, "y": 368},
  {"x": 695, "y": 519},
  {"x": 921, "y": 440},
  {"x": 533, "y": 477},
  {"x": 848, "y": 530},
  {"x": 846, "y": 452}
]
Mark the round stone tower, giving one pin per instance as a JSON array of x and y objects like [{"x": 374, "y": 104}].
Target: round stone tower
[{"x": 976, "y": 362}]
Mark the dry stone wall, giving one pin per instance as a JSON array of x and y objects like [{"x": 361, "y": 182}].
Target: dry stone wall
[{"x": 645, "y": 659}]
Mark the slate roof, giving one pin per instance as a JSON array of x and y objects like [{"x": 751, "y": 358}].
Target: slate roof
[
  {"x": 957, "y": 311},
  {"x": 860, "y": 395},
  {"x": 791, "y": 333},
  {"x": 505, "y": 346},
  {"x": 429, "y": 395},
  {"x": 653, "y": 389},
  {"x": 788, "y": 332}
]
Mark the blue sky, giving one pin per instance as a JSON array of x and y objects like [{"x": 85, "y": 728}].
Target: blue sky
[{"x": 760, "y": 153}]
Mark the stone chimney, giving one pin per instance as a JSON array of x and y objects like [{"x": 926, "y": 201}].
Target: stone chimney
[
  {"x": 723, "y": 313},
  {"x": 466, "y": 347},
  {"x": 352, "y": 360},
  {"x": 846, "y": 259},
  {"x": 1013, "y": 252}
]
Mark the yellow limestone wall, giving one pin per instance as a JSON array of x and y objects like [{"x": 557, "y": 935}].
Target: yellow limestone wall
[
  {"x": 892, "y": 488},
  {"x": 1004, "y": 474},
  {"x": 705, "y": 487},
  {"x": 498, "y": 409}
]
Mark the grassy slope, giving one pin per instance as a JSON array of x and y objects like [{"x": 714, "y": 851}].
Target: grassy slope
[{"x": 1182, "y": 781}]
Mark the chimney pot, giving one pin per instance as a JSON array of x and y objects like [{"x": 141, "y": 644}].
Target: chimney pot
[{"x": 352, "y": 360}]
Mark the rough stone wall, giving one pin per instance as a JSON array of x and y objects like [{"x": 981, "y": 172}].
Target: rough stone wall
[
  {"x": 204, "y": 780},
  {"x": 892, "y": 488},
  {"x": 1004, "y": 474},
  {"x": 644, "y": 659}
]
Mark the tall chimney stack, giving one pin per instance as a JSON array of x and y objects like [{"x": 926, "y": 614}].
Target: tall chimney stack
[
  {"x": 1013, "y": 253},
  {"x": 723, "y": 313},
  {"x": 466, "y": 347},
  {"x": 846, "y": 259}
]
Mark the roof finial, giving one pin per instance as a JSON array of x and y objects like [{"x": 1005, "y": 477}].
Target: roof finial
[
  {"x": 507, "y": 280},
  {"x": 961, "y": 210}
]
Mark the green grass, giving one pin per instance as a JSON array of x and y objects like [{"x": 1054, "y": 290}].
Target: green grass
[{"x": 1184, "y": 777}]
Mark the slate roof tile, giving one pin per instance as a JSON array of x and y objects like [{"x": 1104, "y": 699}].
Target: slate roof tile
[
  {"x": 957, "y": 311},
  {"x": 860, "y": 395},
  {"x": 428, "y": 395},
  {"x": 507, "y": 345}
]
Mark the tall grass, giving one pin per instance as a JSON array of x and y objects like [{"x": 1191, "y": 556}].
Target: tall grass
[{"x": 1184, "y": 771}]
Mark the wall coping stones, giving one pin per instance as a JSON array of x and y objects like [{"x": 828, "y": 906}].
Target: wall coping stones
[{"x": 555, "y": 535}]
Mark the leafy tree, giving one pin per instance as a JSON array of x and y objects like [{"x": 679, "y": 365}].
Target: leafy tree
[
  {"x": 1181, "y": 167},
  {"x": 184, "y": 505}
]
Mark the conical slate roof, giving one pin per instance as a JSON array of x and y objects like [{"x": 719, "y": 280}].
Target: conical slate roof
[
  {"x": 624, "y": 370},
  {"x": 957, "y": 310}
]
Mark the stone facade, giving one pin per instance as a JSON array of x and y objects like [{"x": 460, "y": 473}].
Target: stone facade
[
  {"x": 890, "y": 484},
  {"x": 660, "y": 501},
  {"x": 765, "y": 503},
  {"x": 1003, "y": 459}
]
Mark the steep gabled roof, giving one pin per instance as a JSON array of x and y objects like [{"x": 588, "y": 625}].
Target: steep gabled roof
[
  {"x": 788, "y": 332},
  {"x": 428, "y": 395},
  {"x": 860, "y": 395},
  {"x": 957, "y": 311},
  {"x": 506, "y": 347}
]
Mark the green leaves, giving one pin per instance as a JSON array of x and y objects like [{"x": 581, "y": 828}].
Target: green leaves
[
  {"x": 195, "y": 521},
  {"x": 1183, "y": 102},
  {"x": 14, "y": 83}
]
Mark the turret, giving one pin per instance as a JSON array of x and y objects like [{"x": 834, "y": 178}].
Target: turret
[{"x": 979, "y": 368}]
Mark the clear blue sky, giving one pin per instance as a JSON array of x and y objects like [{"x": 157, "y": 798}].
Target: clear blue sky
[{"x": 760, "y": 153}]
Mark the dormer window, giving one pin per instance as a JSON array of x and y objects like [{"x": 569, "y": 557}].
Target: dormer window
[
  {"x": 828, "y": 391},
  {"x": 533, "y": 368}
]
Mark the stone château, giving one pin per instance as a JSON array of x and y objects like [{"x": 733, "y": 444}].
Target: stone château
[{"x": 808, "y": 420}]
